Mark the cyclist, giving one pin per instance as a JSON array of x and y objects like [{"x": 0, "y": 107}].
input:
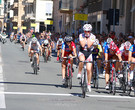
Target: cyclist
[
  {"x": 97, "y": 53},
  {"x": 86, "y": 41},
  {"x": 124, "y": 49},
  {"x": 45, "y": 45},
  {"x": 23, "y": 40},
  {"x": 68, "y": 49},
  {"x": 12, "y": 36},
  {"x": 131, "y": 58},
  {"x": 34, "y": 46},
  {"x": 59, "y": 46},
  {"x": 111, "y": 51}
]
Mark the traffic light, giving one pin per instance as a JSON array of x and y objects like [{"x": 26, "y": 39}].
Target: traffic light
[{"x": 111, "y": 15}]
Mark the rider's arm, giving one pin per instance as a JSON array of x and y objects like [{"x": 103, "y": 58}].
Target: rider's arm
[
  {"x": 91, "y": 40},
  {"x": 74, "y": 48},
  {"x": 118, "y": 54},
  {"x": 106, "y": 52},
  {"x": 63, "y": 50},
  {"x": 130, "y": 53},
  {"x": 82, "y": 40}
]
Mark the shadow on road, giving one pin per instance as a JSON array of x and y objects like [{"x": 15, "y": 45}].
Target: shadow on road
[{"x": 25, "y": 83}]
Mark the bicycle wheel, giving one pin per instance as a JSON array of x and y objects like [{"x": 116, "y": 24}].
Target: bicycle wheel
[
  {"x": 45, "y": 57},
  {"x": 94, "y": 77},
  {"x": 66, "y": 78},
  {"x": 35, "y": 65},
  {"x": 84, "y": 85},
  {"x": 97, "y": 81},
  {"x": 114, "y": 87},
  {"x": 110, "y": 85},
  {"x": 70, "y": 77}
]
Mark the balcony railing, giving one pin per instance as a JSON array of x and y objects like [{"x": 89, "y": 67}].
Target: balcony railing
[{"x": 66, "y": 6}]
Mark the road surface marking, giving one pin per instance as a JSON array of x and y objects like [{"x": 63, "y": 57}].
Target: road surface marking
[
  {"x": 2, "y": 95},
  {"x": 68, "y": 95}
]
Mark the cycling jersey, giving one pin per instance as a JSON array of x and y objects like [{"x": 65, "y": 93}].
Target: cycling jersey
[
  {"x": 23, "y": 37},
  {"x": 111, "y": 52},
  {"x": 132, "y": 49},
  {"x": 59, "y": 44},
  {"x": 87, "y": 52},
  {"x": 66, "y": 48},
  {"x": 124, "y": 53},
  {"x": 97, "y": 51},
  {"x": 34, "y": 46}
]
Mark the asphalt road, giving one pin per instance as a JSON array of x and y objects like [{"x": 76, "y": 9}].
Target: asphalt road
[{"x": 20, "y": 89}]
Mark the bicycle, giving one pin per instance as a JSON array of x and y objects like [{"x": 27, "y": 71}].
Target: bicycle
[
  {"x": 112, "y": 79},
  {"x": 132, "y": 82},
  {"x": 124, "y": 80},
  {"x": 34, "y": 63},
  {"x": 84, "y": 78},
  {"x": 69, "y": 73},
  {"x": 95, "y": 73}
]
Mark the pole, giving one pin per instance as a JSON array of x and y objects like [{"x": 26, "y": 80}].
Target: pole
[{"x": 114, "y": 20}]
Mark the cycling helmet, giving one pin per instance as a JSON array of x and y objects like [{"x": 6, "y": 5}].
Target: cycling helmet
[
  {"x": 87, "y": 27},
  {"x": 60, "y": 39},
  {"x": 112, "y": 45},
  {"x": 96, "y": 42},
  {"x": 127, "y": 45},
  {"x": 34, "y": 40},
  {"x": 68, "y": 38},
  {"x": 46, "y": 42},
  {"x": 109, "y": 40}
]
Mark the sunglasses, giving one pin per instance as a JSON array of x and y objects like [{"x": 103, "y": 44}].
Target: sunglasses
[
  {"x": 86, "y": 31},
  {"x": 69, "y": 42}
]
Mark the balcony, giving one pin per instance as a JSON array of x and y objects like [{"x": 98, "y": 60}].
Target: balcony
[
  {"x": 66, "y": 6},
  {"x": 30, "y": 16},
  {"x": 14, "y": 6}
]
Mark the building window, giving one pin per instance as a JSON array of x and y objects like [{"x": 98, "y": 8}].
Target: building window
[
  {"x": 46, "y": 14},
  {"x": 50, "y": 14}
]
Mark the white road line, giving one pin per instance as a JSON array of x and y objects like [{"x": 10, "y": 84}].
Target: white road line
[
  {"x": 66, "y": 95},
  {"x": 2, "y": 95}
]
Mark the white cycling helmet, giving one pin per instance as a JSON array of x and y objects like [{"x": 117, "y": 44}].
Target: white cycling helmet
[
  {"x": 87, "y": 27},
  {"x": 96, "y": 42},
  {"x": 127, "y": 45},
  {"x": 34, "y": 40},
  {"x": 60, "y": 39},
  {"x": 46, "y": 42},
  {"x": 109, "y": 40}
]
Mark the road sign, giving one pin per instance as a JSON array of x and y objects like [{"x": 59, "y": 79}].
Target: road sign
[
  {"x": 14, "y": 27},
  {"x": 49, "y": 22},
  {"x": 82, "y": 17}
]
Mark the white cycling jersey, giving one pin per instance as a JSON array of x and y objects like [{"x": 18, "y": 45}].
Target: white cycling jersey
[{"x": 34, "y": 47}]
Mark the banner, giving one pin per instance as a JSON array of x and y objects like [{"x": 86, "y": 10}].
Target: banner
[
  {"x": 33, "y": 24},
  {"x": 82, "y": 17}
]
